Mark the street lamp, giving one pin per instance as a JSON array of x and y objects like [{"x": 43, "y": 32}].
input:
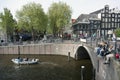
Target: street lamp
[{"x": 97, "y": 35}]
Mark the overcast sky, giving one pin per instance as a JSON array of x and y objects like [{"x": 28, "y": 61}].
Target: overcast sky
[{"x": 78, "y": 6}]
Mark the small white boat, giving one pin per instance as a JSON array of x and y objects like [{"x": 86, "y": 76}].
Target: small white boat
[{"x": 22, "y": 61}]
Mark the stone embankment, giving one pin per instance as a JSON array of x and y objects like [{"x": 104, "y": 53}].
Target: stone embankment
[{"x": 48, "y": 48}]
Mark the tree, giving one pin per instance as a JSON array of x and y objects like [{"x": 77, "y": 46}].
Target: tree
[
  {"x": 59, "y": 15},
  {"x": 32, "y": 18},
  {"x": 7, "y": 22},
  {"x": 117, "y": 32}
]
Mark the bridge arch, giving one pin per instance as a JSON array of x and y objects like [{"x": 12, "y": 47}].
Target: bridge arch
[{"x": 85, "y": 52}]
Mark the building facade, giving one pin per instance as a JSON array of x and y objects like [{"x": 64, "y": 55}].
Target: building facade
[
  {"x": 99, "y": 22},
  {"x": 110, "y": 20}
]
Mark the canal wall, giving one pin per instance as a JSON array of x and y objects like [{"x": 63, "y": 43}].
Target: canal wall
[{"x": 48, "y": 48}]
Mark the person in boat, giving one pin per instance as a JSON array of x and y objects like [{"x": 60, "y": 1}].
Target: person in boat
[
  {"x": 33, "y": 59},
  {"x": 26, "y": 59},
  {"x": 20, "y": 59}
]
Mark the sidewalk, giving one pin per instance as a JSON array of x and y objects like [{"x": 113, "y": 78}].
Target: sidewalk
[{"x": 108, "y": 70}]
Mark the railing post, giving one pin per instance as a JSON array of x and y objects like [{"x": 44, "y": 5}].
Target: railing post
[
  {"x": 98, "y": 65},
  {"x": 68, "y": 56}
]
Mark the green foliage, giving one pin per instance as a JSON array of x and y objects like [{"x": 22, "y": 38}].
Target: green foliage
[
  {"x": 59, "y": 15},
  {"x": 32, "y": 17},
  {"x": 7, "y": 22},
  {"x": 117, "y": 32}
]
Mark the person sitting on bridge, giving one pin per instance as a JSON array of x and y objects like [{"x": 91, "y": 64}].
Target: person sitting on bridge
[
  {"x": 97, "y": 49},
  {"x": 109, "y": 54},
  {"x": 104, "y": 49}
]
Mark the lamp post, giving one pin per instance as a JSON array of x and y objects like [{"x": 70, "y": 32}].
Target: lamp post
[
  {"x": 91, "y": 36},
  {"x": 97, "y": 35}
]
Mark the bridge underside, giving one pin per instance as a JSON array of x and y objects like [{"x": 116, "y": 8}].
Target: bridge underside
[{"x": 82, "y": 53}]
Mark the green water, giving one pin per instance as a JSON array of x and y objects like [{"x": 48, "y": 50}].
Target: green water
[{"x": 50, "y": 67}]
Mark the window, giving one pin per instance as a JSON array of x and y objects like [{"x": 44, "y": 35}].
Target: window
[
  {"x": 119, "y": 25},
  {"x": 107, "y": 10},
  {"x": 102, "y": 25},
  {"x": 103, "y": 19},
  {"x": 118, "y": 20},
  {"x": 77, "y": 27},
  {"x": 103, "y": 15},
  {"x": 118, "y": 15},
  {"x": 106, "y": 20},
  {"x": 109, "y": 19},
  {"x": 113, "y": 15},
  {"x": 113, "y": 20},
  {"x": 94, "y": 26},
  {"x": 108, "y": 25},
  {"x": 112, "y": 24}
]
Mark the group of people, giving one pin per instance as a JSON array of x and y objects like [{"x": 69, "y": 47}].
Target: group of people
[
  {"x": 23, "y": 59},
  {"x": 105, "y": 50}
]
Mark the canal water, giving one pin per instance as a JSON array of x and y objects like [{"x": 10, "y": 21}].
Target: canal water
[{"x": 50, "y": 67}]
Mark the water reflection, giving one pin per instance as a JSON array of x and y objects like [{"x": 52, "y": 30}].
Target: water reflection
[
  {"x": 17, "y": 67},
  {"x": 48, "y": 63},
  {"x": 50, "y": 67}
]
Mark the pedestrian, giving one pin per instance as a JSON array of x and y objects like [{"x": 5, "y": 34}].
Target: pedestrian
[
  {"x": 97, "y": 49},
  {"x": 109, "y": 55},
  {"x": 86, "y": 35},
  {"x": 114, "y": 37},
  {"x": 103, "y": 49},
  {"x": 94, "y": 36}
]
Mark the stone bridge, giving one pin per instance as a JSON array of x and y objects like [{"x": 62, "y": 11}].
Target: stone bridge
[{"x": 77, "y": 51}]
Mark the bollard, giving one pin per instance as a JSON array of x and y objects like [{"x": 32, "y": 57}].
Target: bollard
[
  {"x": 18, "y": 51},
  {"x": 68, "y": 56},
  {"x": 18, "y": 54},
  {"x": 98, "y": 65},
  {"x": 94, "y": 73},
  {"x": 82, "y": 72}
]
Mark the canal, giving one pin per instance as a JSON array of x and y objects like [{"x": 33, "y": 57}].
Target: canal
[{"x": 50, "y": 67}]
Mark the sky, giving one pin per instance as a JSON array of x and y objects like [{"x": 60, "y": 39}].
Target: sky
[{"x": 78, "y": 6}]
